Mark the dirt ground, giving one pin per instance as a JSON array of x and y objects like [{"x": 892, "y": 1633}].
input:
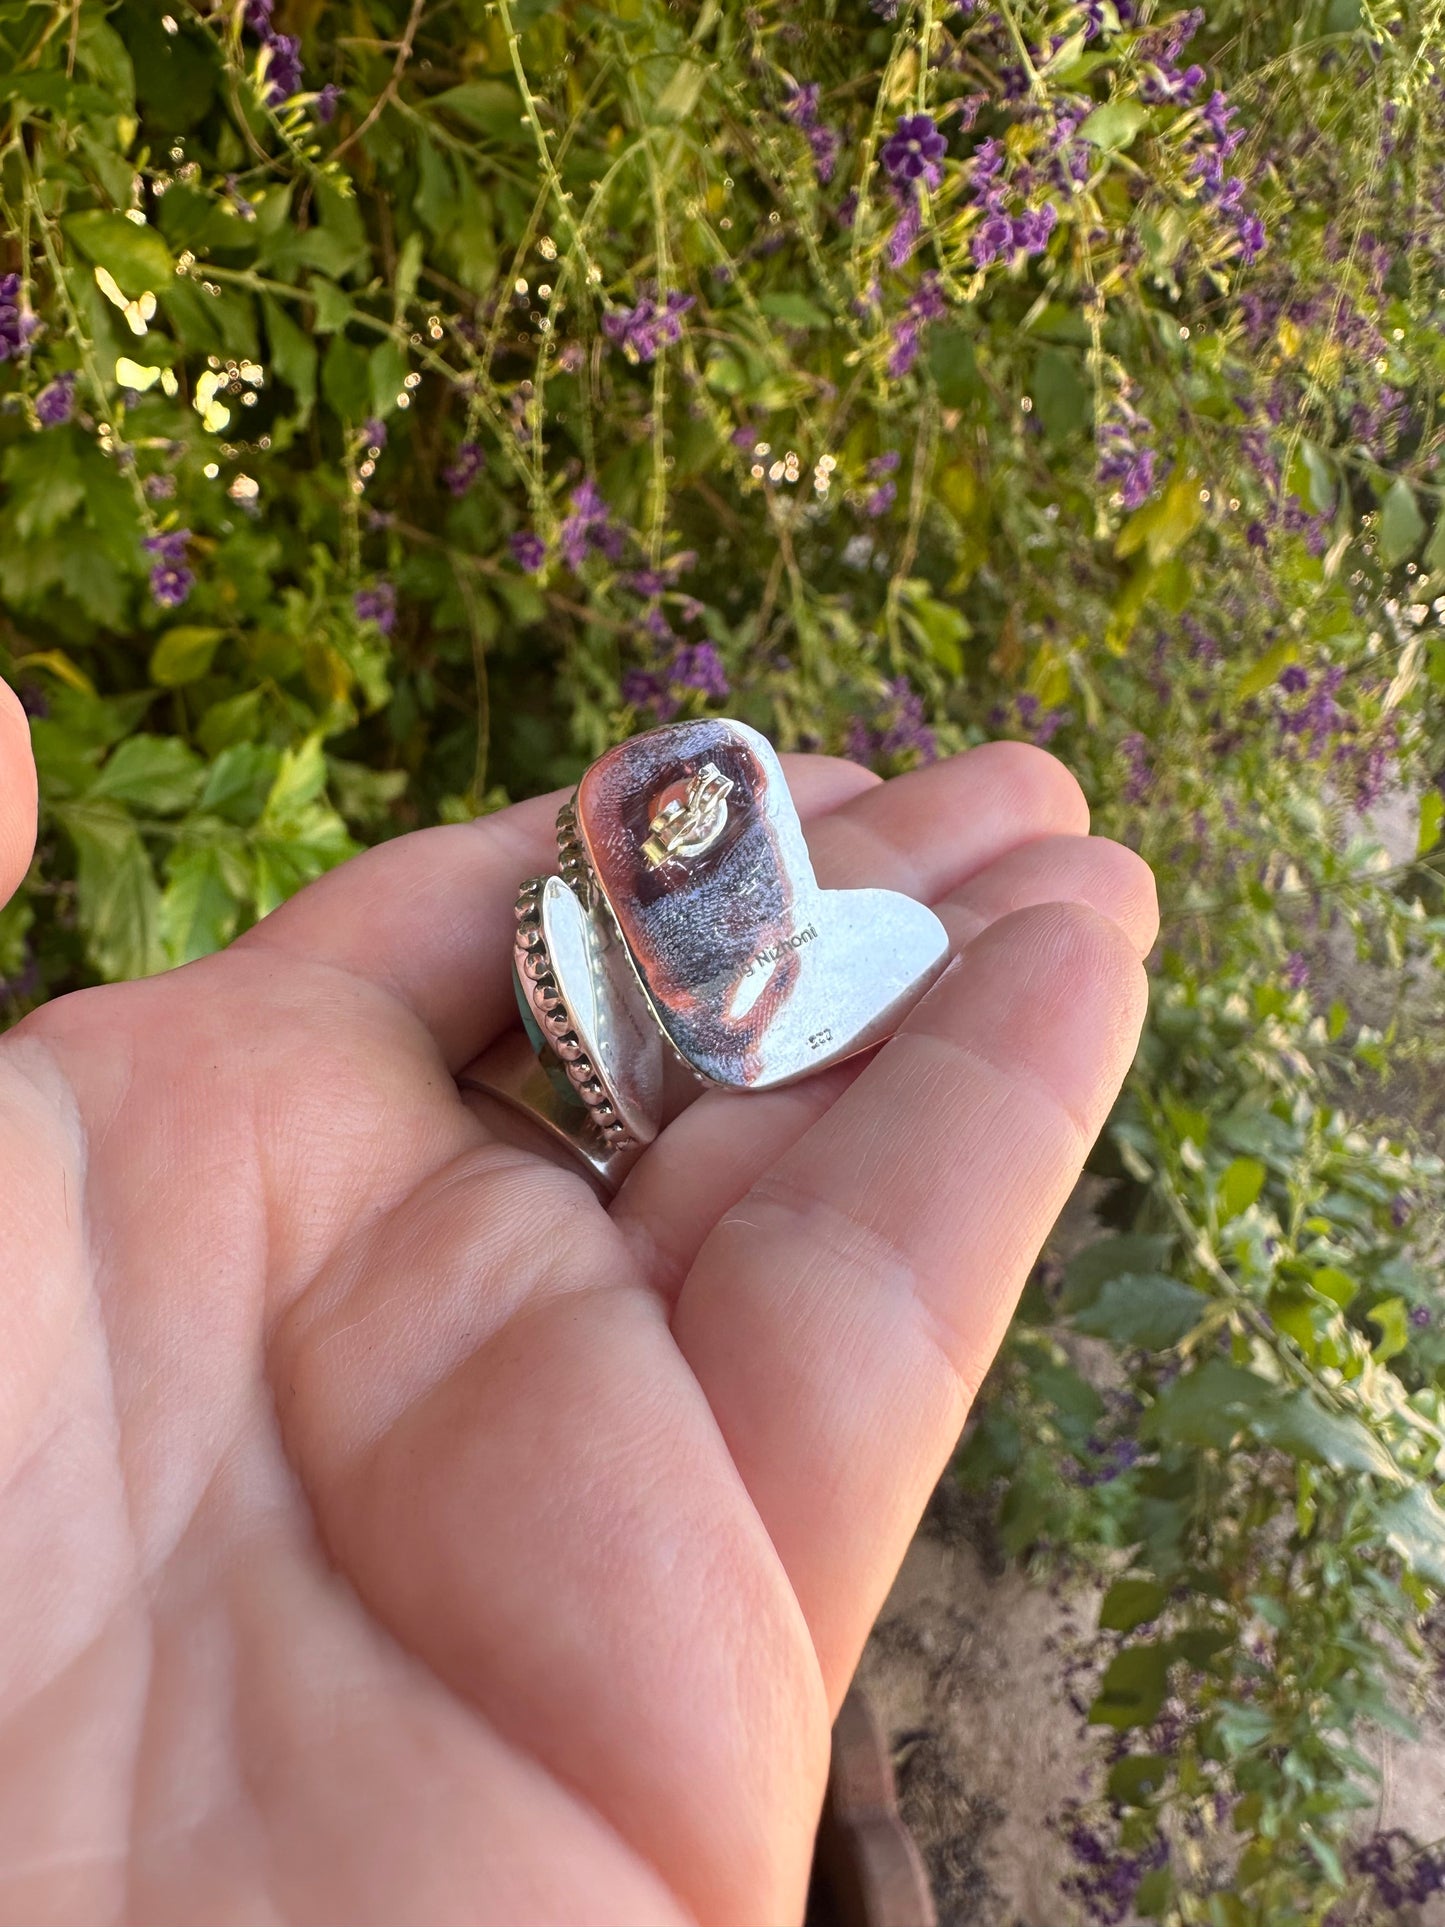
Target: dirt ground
[{"x": 967, "y": 1666}]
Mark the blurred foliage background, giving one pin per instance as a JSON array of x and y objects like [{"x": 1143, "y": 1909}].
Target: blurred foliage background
[{"x": 401, "y": 402}]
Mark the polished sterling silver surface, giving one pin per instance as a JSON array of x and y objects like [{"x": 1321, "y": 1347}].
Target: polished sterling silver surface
[
  {"x": 604, "y": 1011},
  {"x": 513, "y": 1071},
  {"x": 756, "y": 975},
  {"x": 580, "y": 1003}
]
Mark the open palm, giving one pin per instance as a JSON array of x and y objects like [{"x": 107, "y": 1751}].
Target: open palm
[{"x": 390, "y": 1532}]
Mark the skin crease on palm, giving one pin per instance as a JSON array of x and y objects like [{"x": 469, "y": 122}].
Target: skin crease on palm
[{"x": 391, "y": 1533}]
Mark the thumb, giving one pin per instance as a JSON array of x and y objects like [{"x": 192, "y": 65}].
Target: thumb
[{"x": 17, "y": 793}]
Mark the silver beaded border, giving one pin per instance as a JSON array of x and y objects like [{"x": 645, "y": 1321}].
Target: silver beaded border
[
  {"x": 534, "y": 973},
  {"x": 572, "y": 862}
]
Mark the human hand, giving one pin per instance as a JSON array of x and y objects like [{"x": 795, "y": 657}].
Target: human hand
[{"x": 391, "y": 1532}]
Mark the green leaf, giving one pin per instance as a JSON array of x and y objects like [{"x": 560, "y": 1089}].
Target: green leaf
[
  {"x": 299, "y": 780},
  {"x": 1128, "y": 1254},
  {"x": 436, "y": 194},
  {"x": 953, "y": 366},
  {"x": 1434, "y": 556},
  {"x": 1325, "y": 1854},
  {"x": 681, "y": 94},
  {"x": 1401, "y": 523},
  {"x": 175, "y": 67},
  {"x": 1432, "y": 817},
  {"x": 184, "y": 654},
  {"x": 388, "y": 370},
  {"x": 1061, "y": 396},
  {"x": 239, "y": 781},
  {"x": 116, "y": 895},
  {"x": 1334, "y": 1284},
  {"x": 346, "y": 379},
  {"x": 1133, "y": 1689},
  {"x": 293, "y": 356},
  {"x": 1145, "y": 1309},
  {"x": 1164, "y": 525},
  {"x": 46, "y": 481},
  {"x": 198, "y": 913},
  {"x": 472, "y": 240},
  {"x": 285, "y": 862},
  {"x": 1114, "y": 125},
  {"x": 493, "y": 107},
  {"x": 1209, "y": 1406},
  {"x": 1242, "y": 1728},
  {"x": 1392, "y": 1317},
  {"x": 1319, "y": 490},
  {"x": 1131, "y": 1602},
  {"x": 1240, "y": 1184},
  {"x": 135, "y": 256},
  {"x": 342, "y": 225},
  {"x": 1298, "y": 1423},
  {"x": 103, "y": 55},
  {"x": 44, "y": 87},
  {"x": 1413, "y": 1526},
  {"x": 156, "y": 773},
  {"x": 1136, "y": 1778},
  {"x": 795, "y": 309}
]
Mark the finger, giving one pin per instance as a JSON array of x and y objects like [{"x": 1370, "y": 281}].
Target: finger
[
  {"x": 709, "y": 1155},
  {"x": 428, "y": 917},
  {"x": 923, "y": 833},
  {"x": 17, "y": 793},
  {"x": 840, "y": 1317}
]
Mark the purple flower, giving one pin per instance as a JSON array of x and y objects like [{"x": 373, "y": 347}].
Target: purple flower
[
  {"x": 905, "y": 232},
  {"x": 881, "y": 499},
  {"x": 376, "y": 604},
  {"x": 642, "y": 330},
  {"x": 801, "y": 105},
  {"x": 899, "y": 730},
  {"x": 887, "y": 463},
  {"x": 258, "y": 15},
  {"x": 913, "y": 148},
  {"x": 1251, "y": 238},
  {"x": 1420, "y": 1317},
  {"x": 697, "y": 665},
  {"x": 1136, "y": 477},
  {"x": 17, "y": 325},
  {"x": 529, "y": 551},
  {"x": 927, "y": 303},
  {"x": 1294, "y": 679},
  {"x": 171, "y": 583},
  {"x": 825, "y": 143},
  {"x": 373, "y": 433},
  {"x": 1217, "y": 113},
  {"x": 464, "y": 468},
  {"x": 987, "y": 163},
  {"x": 159, "y": 488},
  {"x": 55, "y": 403},
  {"x": 1296, "y": 970},
  {"x": 588, "y": 528},
  {"x": 644, "y": 690},
  {"x": 993, "y": 237},
  {"x": 327, "y": 102},
  {"x": 171, "y": 546},
  {"x": 1166, "y": 83},
  {"x": 905, "y": 349},
  {"x": 1031, "y": 229},
  {"x": 283, "y": 68},
  {"x": 1140, "y": 779}
]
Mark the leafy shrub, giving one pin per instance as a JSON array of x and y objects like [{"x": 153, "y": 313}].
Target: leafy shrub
[{"x": 399, "y": 404}]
